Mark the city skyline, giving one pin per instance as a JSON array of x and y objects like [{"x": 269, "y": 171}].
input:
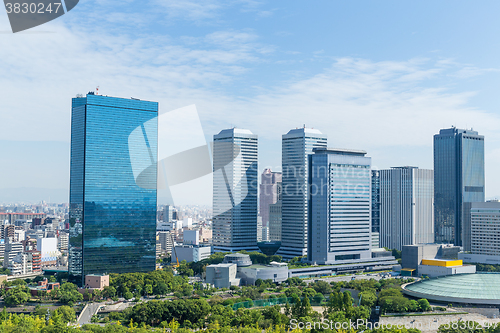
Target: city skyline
[{"x": 250, "y": 65}]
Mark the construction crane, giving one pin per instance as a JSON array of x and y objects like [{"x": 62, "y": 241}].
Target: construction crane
[{"x": 175, "y": 252}]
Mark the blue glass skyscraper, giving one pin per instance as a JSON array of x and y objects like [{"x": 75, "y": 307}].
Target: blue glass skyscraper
[
  {"x": 458, "y": 181},
  {"x": 112, "y": 186}
]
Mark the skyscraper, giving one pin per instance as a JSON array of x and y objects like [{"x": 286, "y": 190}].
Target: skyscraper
[
  {"x": 406, "y": 207},
  {"x": 235, "y": 182},
  {"x": 375, "y": 201},
  {"x": 458, "y": 181},
  {"x": 339, "y": 201},
  {"x": 268, "y": 193},
  {"x": 112, "y": 186},
  {"x": 297, "y": 145}
]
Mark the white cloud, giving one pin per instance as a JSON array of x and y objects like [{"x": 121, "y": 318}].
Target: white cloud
[{"x": 359, "y": 103}]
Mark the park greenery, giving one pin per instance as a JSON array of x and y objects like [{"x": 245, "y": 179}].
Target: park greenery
[{"x": 165, "y": 301}]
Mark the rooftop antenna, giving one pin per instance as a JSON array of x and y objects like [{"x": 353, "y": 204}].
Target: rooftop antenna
[{"x": 97, "y": 90}]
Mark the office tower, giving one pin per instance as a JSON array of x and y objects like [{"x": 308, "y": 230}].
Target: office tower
[
  {"x": 297, "y": 145},
  {"x": 458, "y": 181},
  {"x": 406, "y": 207},
  {"x": 168, "y": 213},
  {"x": 376, "y": 201},
  {"x": 275, "y": 216},
  {"x": 235, "y": 181},
  {"x": 275, "y": 222},
  {"x": 268, "y": 193},
  {"x": 112, "y": 186},
  {"x": 339, "y": 201},
  {"x": 485, "y": 231}
]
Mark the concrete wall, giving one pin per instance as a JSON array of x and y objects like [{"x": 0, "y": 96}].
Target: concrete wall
[
  {"x": 435, "y": 271},
  {"x": 251, "y": 274},
  {"x": 479, "y": 258},
  {"x": 222, "y": 275}
]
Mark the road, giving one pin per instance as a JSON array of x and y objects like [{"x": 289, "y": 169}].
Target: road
[{"x": 90, "y": 310}]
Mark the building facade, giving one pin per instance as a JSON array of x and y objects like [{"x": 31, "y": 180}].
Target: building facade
[
  {"x": 340, "y": 221},
  {"x": 297, "y": 145},
  {"x": 376, "y": 201},
  {"x": 114, "y": 144},
  {"x": 485, "y": 234},
  {"x": 235, "y": 180},
  {"x": 458, "y": 181},
  {"x": 406, "y": 207},
  {"x": 268, "y": 193}
]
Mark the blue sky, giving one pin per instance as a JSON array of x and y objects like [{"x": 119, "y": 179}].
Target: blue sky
[{"x": 382, "y": 76}]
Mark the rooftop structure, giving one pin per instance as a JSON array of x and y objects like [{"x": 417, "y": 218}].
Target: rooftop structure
[{"x": 465, "y": 288}]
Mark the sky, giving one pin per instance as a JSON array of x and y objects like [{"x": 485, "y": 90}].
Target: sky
[{"x": 382, "y": 76}]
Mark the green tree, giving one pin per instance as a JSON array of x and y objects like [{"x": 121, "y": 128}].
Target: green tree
[
  {"x": 368, "y": 298},
  {"x": 128, "y": 295},
  {"x": 17, "y": 295},
  {"x": 67, "y": 314},
  {"x": 424, "y": 305},
  {"x": 69, "y": 294}
]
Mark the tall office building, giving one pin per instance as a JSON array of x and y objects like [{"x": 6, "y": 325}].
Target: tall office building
[
  {"x": 297, "y": 145},
  {"x": 168, "y": 213},
  {"x": 235, "y": 182},
  {"x": 376, "y": 201},
  {"x": 275, "y": 216},
  {"x": 112, "y": 186},
  {"x": 406, "y": 207},
  {"x": 485, "y": 233},
  {"x": 268, "y": 193},
  {"x": 458, "y": 181},
  {"x": 340, "y": 221}
]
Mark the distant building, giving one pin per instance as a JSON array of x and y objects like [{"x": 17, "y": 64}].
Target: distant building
[
  {"x": 94, "y": 281},
  {"x": 168, "y": 213},
  {"x": 237, "y": 269},
  {"x": 458, "y": 181},
  {"x": 443, "y": 267},
  {"x": 297, "y": 145},
  {"x": 275, "y": 222},
  {"x": 268, "y": 193},
  {"x": 412, "y": 255},
  {"x": 165, "y": 241},
  {"x": 12, "y": 249},
  {"x": 235, "y": 191},
  {"x": 191, "y": 237},
  {"x": 222, "y": 275},
  {"x": 62, "y": 241},
  {"x": 191, "y": 253},
  {"x": 376, "y": 201},
  {"x": 48, "y": 248},
  {"x": 406, "y": 207},
  {"x": 485, "y": 234},
  {"x": 340, "y": 200}
]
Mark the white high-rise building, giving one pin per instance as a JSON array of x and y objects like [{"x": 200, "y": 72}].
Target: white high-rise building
[
  {"x": 406, "y": 207},
  {"x": 340, "y": 201},
  {"x": 297, "y": 145},
  {"x": 485, "y": 218},
  {"x": 235, "y": 182}
]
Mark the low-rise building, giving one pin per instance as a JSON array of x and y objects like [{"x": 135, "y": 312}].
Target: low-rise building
[
  {"x": 443, "y": 267},
  {"x": 222, "y": 275},
  {"x": 191, "y": 253}
]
